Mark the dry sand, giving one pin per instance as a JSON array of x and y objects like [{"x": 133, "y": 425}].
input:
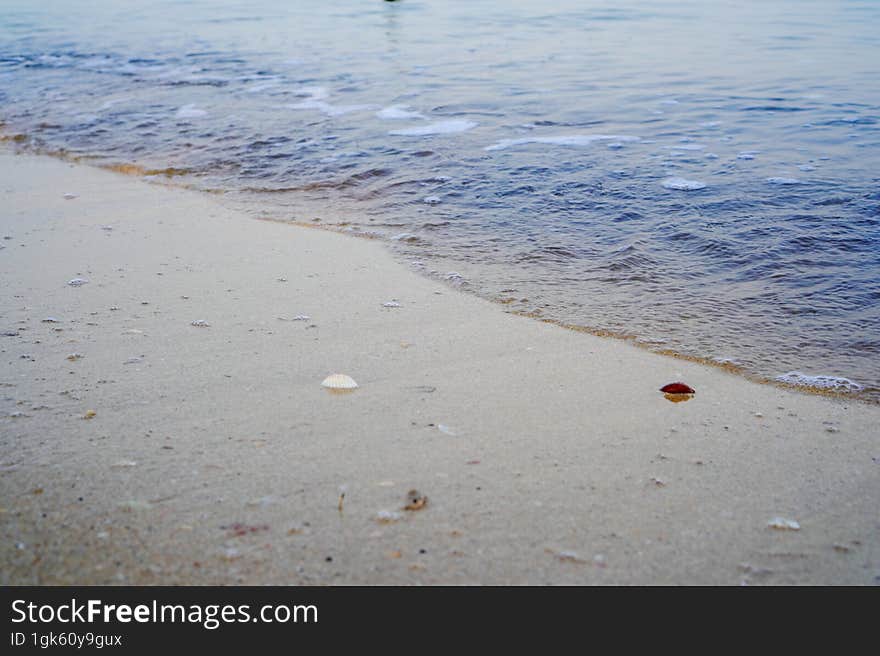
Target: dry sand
[{"x": 215, "y": 456}]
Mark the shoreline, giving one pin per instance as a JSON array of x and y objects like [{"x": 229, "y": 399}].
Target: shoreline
[
  {"x": 546, "y": 456},
  {"x": 164, "y": 177}
]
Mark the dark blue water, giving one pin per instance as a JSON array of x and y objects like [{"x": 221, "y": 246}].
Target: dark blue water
[{"x": 700, "y": 176}]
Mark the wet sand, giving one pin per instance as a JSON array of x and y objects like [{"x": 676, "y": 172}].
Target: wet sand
[{"x": 215, "y": 456}]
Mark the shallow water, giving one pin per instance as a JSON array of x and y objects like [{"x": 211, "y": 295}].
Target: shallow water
[{"x": 699, "y": 176}]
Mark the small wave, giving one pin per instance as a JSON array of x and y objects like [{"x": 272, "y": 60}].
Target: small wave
[
  {"x": 680, "y": 184},
  {"x": 441, "y": 127},
  {"x": 784, "y": 181},
  {"x": 832, "y": 383},
  {"x": 562, "y": 140},
  {"x": 397, "y": 112}
]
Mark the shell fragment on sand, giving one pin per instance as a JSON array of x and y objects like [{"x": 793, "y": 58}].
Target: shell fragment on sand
[
  {"x": 77, "y": 282},
  {"x": 388, "y": 516},
  {"x": 782, "y": 524},
  {"x": 415, "y": 500},
  {"x": 677, "y": 388},
  {"x": 339, "y": 382},
  {"x": 200, "y": 323}
]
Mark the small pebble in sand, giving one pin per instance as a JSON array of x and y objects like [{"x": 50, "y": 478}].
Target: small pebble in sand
[
  {"x": 73, "y": 357},
  {"x": 200, "y": 323},
  {"x": 70, "y": 196},
  {"x": 77, "y": 282},
  {"x": 391, "y": 304},
  {"x": 569, "y": 557},
  {"x": 90, "y": 414},
  {"x": 50, "y": 320},
  {"x": 782, "y": 524}
]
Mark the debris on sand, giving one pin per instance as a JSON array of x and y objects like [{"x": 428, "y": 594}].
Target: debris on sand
[{"x": 415, "y": 500}]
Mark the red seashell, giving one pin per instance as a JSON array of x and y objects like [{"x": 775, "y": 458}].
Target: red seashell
[{"x": 677, "y": 388}]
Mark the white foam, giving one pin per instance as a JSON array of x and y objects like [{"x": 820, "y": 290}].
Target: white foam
[
  {"x": 397, "y": 112},
  {"x": 562, "y": 140},
  {"x": 328, "y": 109},
  {"x": 785, "y": 181},
  {"x": 431, "y": 200},
  {"x": 835, "y": 383},
  {"x": 190, "y": 111},
  {"x": 748, "y": 154},
  {"x": 687, "y": 146},
  {"x": 680, "y": 184},
  {"x": 441, "y": 127}
]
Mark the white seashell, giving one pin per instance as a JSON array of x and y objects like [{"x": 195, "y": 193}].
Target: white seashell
[
  {"x": 200, "y": 323},
  {"x": 443, "y": 428},
  {"x": 782, "y": 524},
  {"x": 339, "y": 382},
  {"x": 77, "y": 282},
  {"x": 391, "y": 304}
]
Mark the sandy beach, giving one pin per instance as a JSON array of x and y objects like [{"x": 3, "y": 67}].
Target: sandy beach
[{"x": 139, "y": 448}]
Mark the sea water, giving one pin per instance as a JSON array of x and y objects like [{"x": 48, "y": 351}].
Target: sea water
[{"x": 701, "y": 177}]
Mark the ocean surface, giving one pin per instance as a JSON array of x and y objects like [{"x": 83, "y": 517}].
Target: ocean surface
[{"x": 698, "y": 176}]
